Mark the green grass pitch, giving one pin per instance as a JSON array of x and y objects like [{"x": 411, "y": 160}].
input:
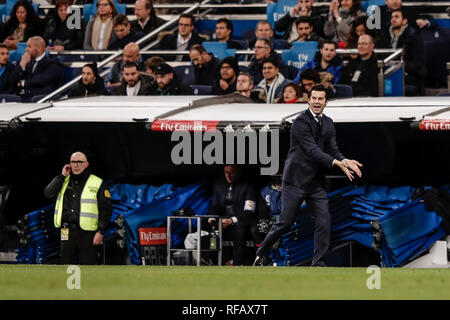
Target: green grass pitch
[{"x": 220, "y": 283}]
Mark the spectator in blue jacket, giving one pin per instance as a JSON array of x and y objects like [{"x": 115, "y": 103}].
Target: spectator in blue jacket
[{"x": 325, "y": 60}]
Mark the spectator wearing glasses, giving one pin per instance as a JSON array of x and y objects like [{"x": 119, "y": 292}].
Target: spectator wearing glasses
[
  {"x": 181, "y": 40},
  {"x": 82, "y": 210},
  {"x": 99, "y": 31},
  {"x": 229, "y": 71}
]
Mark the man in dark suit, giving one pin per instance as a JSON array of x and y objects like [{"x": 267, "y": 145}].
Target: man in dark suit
[
  {"x": 206, "y": 65},
  {"x": 37, "y": 73},
  {"x": 313, "y": 149},
  {"x": 6, "y": 72}
]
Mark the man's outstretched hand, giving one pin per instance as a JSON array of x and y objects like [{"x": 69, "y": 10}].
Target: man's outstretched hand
[{"x": 349, "y": 167}]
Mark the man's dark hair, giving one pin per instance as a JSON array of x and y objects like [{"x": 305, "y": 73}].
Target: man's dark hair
[
  {"x": 319, "y": 87},
  {"x": 327, "y": 41},
  {"x": 3, "y": 46},
  {"x": 227, "y": 22},
  {"x": 199, "y": 48},
  {"x": 267, "y": 42},
  {"x": 130, "y": 64},
  {"x": 188, "y": 16},
  {"x": 402, "y": 11},
  {"x": 273, "y": 61},
  {"x": 121, "y": 20},
  {"x": 310, "y": 74},
  {"x": 303, "y": 20},
  {"x": 153, "y": 62}
]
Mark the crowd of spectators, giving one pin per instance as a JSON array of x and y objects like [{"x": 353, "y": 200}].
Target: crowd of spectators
[{"x": 342, "y": 25}]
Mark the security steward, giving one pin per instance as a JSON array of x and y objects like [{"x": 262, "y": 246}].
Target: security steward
[{"x": 82, "y": 211}]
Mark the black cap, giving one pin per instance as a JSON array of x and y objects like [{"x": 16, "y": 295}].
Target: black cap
[{"x": 163, "y": 68}]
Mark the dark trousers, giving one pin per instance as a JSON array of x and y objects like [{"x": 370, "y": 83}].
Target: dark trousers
[
  {"x": 79, "y": 248},
  {"x": 291, "y": 200}
]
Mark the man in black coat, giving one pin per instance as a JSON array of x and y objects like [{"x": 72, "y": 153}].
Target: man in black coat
[
  {"x": 37, "y": 73},
  {"x": 401, "y": 35},
  {"x": 124, "y": 33},
  {"x": 181, "y": 40},
  {"x": 206, "y": 66},
  {"x": 146, "y": 19},
  {"x": 134, "y": 83},
  {"x": 229, "y": 71},
  {"x": 234, "y": 199},
  {"x": 362, "y": 73},
  {"x": 90, "y": 84},
  {"x": 313, "y": 149},
  {"x": 6, "y": 72}
]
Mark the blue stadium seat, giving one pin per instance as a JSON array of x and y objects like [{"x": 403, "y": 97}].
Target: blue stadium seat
[
  {"x": 201, "y": 90},
  {"x": 89, "y": 10},
  {"x": 248, "y": 34},
  {"x": 185, "y": 75},
  {"x": 301, "y": 53},
  {"x": 218, "y": 49},
  {"x": 10, "y": 98},
  {"x": 343, "y": 91},
  {"x": 437, "y": 52},
  {"x": 275, "y": 11},
  {"x": 16, "y": 55}
]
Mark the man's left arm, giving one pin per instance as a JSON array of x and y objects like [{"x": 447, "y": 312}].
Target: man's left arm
[{"x": 104, "y": 212}]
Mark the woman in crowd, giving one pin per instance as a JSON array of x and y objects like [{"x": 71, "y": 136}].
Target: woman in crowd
[
  {"x": 23, "y": 24},
  {"x": 340, "y": 18},
  {"x": 292, "y": 93},
  {"x": 57, "y": 34},
  {"x": 99, "y": 31}
]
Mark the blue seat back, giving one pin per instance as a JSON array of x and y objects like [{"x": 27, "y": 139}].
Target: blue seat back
[
  {"x": 343, "y": 91},
  {"x": 4, "y": 98},
  {"x": 301, "y": 53},
  {"x": 185, "y": 75},
  {"x": 16, "y": 55},
  {"x": 201, "y": 90},
  {"x": 218, "y": 49},
  {"x": 276, "y": 11}
]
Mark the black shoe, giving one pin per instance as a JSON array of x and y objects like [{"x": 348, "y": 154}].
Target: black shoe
[{"x": 261, "y": 261}]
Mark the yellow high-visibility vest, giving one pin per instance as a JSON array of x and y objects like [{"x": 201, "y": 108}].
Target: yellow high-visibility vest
[{"x": 88, "y": 204}]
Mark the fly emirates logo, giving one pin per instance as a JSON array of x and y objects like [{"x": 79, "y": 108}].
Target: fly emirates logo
[{"x": 152, "y": 236}]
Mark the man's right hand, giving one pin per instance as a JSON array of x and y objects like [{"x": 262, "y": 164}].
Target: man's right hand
[
  {"x": 26, "y": 58},
  {"x": 116, "y": 84},
  {"x": 66, "y": 170},
  {"x": 345, "y": 169},
  {"x": 295, "y": 10}
]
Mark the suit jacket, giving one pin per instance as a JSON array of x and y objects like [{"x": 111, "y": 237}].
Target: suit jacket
[
  {"x": 367, "y": 82},
  {"x": 7, "y": 84},
  {"x": 311, "y": 150},
  {"x": 47, "y": 77},
  {"x": 169, "y": 42}
]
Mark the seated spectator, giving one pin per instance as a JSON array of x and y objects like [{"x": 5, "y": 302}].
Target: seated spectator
[
  {"x": 134, "y": 83},
  {"x": 292, "y": 93},
  {"x": 151, "y": 63},
  {"x": 409, "y": 12},
  {"x": 401, "y": 35},
  {"x": 146, "y": 19},
  {"x": 183, "y": 39},
  {"x": 325, "y": 60},
  {"x": 264, "y": 30},
  {"x": 305, "y": 30},
  {"x": 304, "y": 8},
  {"x": 99, "y": 31},
  {"x": 131, "y": 53},
  {"x": 123, "y": 32},
  {"x": 206, "y": 66},
  {"x": 91, "y": 84},
  {"x": 311, "y": 77},
  {"x": 166, "y": 80},
  {"x": 23, "y": 24},
  {"x": 358, "y": 28},
  {"x": 57, "y": 35},
  {"x": 36, "y": 72},
  {"x": 264, "y": 50},
  {"x": 362, "y": 73},
  {"x": 273, "y": 82},
  {"x": 7, "y": 84},
  {"x": 229, "y": 70},
  {"x": 224, "y": 31},
  {"x": 234, "y": 199},
  {"x": 340, "y": 18},
  {"x": 245, "y": 87}
]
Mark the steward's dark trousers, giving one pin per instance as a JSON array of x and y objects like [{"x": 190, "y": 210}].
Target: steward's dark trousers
[
  {"x": 291, "y": 199},
  {"x": 79, "y": 249}
]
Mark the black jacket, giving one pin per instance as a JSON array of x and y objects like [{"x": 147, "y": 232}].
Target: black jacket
[
  {"x": 414, "y": 55},
  {"x": 58, "y": 32},
  {"x": 367, "y": 82},
  {"x": 121, "y": 43},
  {"x": 169, "y": 42},
  {"x": 47, "y": 77},
  {"x": 148, "y": 87},
  {"x": 208, "y": 73},
  {"x": 72, "y": 195},
  {"x": 255, "y": 68},
  {"x": 172, "y": 89},
  {"x": 285, "y": 23},
  {"x": 33, "y": 28},
  {"x": 217, "y": 90},
  {"x": 96, "y": 89},
  {"x": 311, "y": 150},
  {"x": 242, "y": 191},
  {"x": 151, "y": 25},
  {"x": 7, "y": 84}
]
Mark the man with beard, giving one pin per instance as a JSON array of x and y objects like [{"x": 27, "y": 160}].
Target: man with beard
[
  {"x": 325, "y": 60},
  {"x": 134, "y": 83},
  {"x": 82, "y": 210},
  {"x": 166, "y": 80},
  {"x": 206, "y": 65},
  {"x": 6, "y": 72},
  {"x": 229, "y": 70},
  {"x": 305, "y": 30},
  {"x": 90, "y": 84}
]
